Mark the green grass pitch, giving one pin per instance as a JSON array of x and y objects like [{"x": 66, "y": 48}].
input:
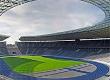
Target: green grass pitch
[{"x": 36, "y": 64}]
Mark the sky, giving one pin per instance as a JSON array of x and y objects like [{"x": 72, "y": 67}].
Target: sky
[{"x": 48, "y": 16}]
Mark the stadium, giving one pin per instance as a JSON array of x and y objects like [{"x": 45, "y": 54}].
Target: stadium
[{"x": 81, "y": 54}]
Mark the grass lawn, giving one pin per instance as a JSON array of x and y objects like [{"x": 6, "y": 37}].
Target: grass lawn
[{"x": 30, "y": 64}]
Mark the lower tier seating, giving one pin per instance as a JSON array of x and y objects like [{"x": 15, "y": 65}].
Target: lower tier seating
[
  {"x": 65, "y": 48},
  {"x": 3, "y": 49}
]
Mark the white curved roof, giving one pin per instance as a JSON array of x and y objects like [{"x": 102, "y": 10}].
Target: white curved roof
[{"x": 100, "y": 30}]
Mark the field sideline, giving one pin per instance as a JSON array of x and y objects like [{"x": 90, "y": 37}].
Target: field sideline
[{"x": 36, "y": 64}]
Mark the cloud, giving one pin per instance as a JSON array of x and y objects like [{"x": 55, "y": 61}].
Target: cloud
[{"x": 48, "y": 16}]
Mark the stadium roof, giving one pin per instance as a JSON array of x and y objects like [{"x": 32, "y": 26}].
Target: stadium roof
[
  {"x": 3, "y": 37},
  {"x": 100, "y": 30},
  {"x": 5, "y": 5}
]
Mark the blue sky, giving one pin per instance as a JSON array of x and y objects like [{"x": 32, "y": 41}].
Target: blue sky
[{"x": 48, "y": 16}]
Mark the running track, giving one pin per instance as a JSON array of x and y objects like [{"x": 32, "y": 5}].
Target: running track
[{"x": 101, "y": 70}]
